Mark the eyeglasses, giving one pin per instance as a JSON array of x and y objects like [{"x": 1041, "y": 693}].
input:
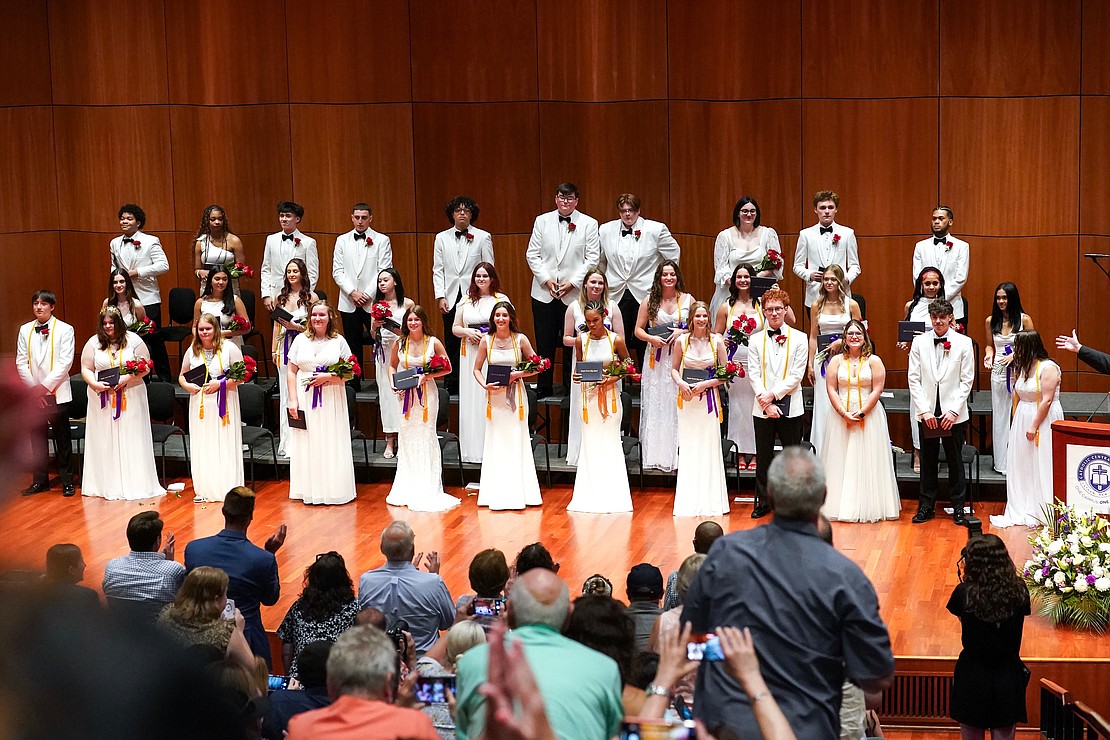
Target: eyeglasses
[
  {"x": 567, "y": 198},
  {"x": 773, "y": 309},
  {"x": 747, "y": 211},
  {"x": 627, "y": 210}
]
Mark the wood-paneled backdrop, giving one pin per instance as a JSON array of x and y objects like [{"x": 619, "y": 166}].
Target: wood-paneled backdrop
[{"x": 999, "y": 108}]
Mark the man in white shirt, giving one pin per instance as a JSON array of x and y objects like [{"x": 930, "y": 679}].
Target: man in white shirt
[
  {"x": 285, "y": 245},
  {"x": 632, "y": 248},
  {"x": 946, "y": 253},
  {"x": 360, "y": 255},
  {"x": 823, "y": 244},
  {"x": 563, "y": 246},
  {"x": 457, "y": 252},
  {"x": 43, "y": 357},
  {"x": 142, "y": 256}
]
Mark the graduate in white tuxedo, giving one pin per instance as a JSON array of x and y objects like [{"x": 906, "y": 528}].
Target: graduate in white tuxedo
[
  {"x": 43, "y": 358},
  {"x": 946, "y": 253},
  {"x": 455, "y": 254},
  {"x": 286, "y": 245},
  {"x": 941, "y": 372},
  {"x": 632, "y": 248},
  {"x": 823, "y": 244},
  {"x": 142, "y": 256},
  {"x": 564, "y": 244},
  {"x": 777, "y": 360},
  {"x": 359, "y": 256}
]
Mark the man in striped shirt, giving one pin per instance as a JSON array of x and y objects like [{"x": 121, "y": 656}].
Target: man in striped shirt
[{"x": 148, "y": 575}]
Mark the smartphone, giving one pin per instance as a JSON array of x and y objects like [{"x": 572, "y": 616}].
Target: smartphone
[
  {"x": 488, "y": 607},
  {"x": 229, "y": 610},
  {"x": 704, "y": 646},
  {"x": 657, "y": 729},
  {"x": 277, "y": 683},
  {"x": 433, "y": 689}
]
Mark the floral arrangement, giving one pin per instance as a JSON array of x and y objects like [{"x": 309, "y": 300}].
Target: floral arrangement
[
  {"x": 345, "y": 369},
  {"x": 771, "y": 261},
  {"x": 238, "y": 269},
  {"x": 142, "y": 326},
  {"x": 239, "y": 323},
  {"x": 741, "y": 330},
  {"x": 623, "y": 369},
  {"x": 138, "y": 366},
  {"x": 381, "y": 311},
  {"x": 729, "y": 371},
  {"x": 1069, "y": 572},
  {"x": 241, "y": 371},
  {"x": 534, "y": 364}
]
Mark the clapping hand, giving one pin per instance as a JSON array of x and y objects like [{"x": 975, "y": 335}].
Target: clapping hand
[
  {"x": 276, "y": 540},
  {"x": 1071, "y": 344}
]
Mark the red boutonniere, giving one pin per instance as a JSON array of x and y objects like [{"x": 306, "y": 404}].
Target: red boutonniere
[
  {"x": 836, "y": 238},
  {"x": 636, "y": 234},
  {"x": 947, "y": 346},
  {"x": 136, "y": 243},
  {"x": 781, "y": 339},
  {"x": 948, "y": 246},
  {"x": 469, "y": 237},
  {"x": 959, "y": 328},
  {"x": 297, "y": 241},
  {"x": 571, "y": 227}
]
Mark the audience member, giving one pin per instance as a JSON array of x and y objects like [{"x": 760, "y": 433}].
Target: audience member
[
  {"x": 252, "y": 571},
  {"x": 670, "y": 621},
  {"x": 516, "y": 704},
  {"x": 147, "y": 578},
  {"x": 326, "y": 609},
  {"x": 371, "y": 616},
  {"x": 360, "y": 671},
  {"x": 580, "y": 687},
  {"x": 704, "y": 537},
  {"x": 534, "y": 556},
  {"x": 597, "y": 585},
  {"x": 312, "y": 675},
  {"x": 65, "y": 568},
  {"x": 603, "y": 624},
  {"x": 644, "y": 587},
  {"x": 201, "y": 615},
  {"x": 240, "y": 694},
  {"x": 753, "y": 577},
  {"x": 442, "y": 660},
  {"x": 489, "y": 572},
  {"x": 405, "y": 593}
]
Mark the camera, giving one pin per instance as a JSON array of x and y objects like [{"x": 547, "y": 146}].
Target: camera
[{"x": 396, "y": 634}]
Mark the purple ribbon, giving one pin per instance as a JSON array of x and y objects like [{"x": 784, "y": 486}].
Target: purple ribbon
[
  {"x": 289, "y": 337},
  {"x": 407, "y": 401},
  {"x": 119, "y": 403},
  {"x": 731, "y": 347},
  {"x": 379, "y": 350},
  {"x": 1006, "y": 352},
  {"x": 710, "y": 402},
  {"x": 658, "y": 355},
  {"x": 317, "y": 391},
  {"x": 221, "y": 398},
  {"x": 825, "y": 362}
]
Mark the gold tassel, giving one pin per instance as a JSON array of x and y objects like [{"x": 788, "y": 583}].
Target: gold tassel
[
  {"x": 425, "y": 413},
  {"x": 520, "y": 401},
  {"x": 489, "y": 407},
  {"x": 123, "y": 402},
  {"x": 720, "y": 417},
  {"x": 614, "y": 400},
  {"x": 462, "y": 348},
  {"x": 651, "y": 358}
]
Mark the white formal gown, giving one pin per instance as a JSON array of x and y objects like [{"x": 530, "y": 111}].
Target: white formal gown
[
  {"x": 601, "y": 482},
  {"x": 119, "y": 453},
  {"x": 215, "y": 445},
  {"x": 729, "y": 250},
  {"x": 285, "y": 343},
  {"x": 658, "y": 398},
  {"x": 701, "y": 489},
  {"x": 508, "y": 479},
  {"x": 472, "y": 397},
  {"x": 388, "y": 406},
  {"x": 741, "y": 395},
  {"x": 321, "y": 467},
  {"x": 574, "y": 426},
  {"x": 216, "y": 309},
  {"x": 1001, "y": 401},
  {"x": 827, "y": 323},
  {"x": 210, "y": 254},
  {"x": 1029, "y": 467}
]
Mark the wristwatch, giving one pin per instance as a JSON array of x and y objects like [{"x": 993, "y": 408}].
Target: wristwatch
[
  {"x": 656, "y": 690},
  {"x": 861, "y": 414}
]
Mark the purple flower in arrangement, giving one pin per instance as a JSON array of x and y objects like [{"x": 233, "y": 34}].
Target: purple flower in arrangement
[{"x": 1091, "y": 579}]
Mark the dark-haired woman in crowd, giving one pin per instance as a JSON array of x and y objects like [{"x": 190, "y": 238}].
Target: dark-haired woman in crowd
[
  {"x": 488, "y": 574},
  {"x": 121, "y": 295},
  {"x": 991, "y": 602},
  {"x": 1036, "y": 388},
  {"x": 603, "y": 624},
  {"x": 296, "y": 298},
  {"x": 929, "y": 285},
  {"x": 218, "y": 299},
  {"x": 391, "y": 291},
  {"x": 215, "y": 245},
  {"x": 745, "y": 242},
  {"x": 1005, "y": 321},
  {"x": 326, "y": 608}
]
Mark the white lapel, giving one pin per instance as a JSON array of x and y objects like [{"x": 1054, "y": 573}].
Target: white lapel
[
  {"x": 361, "y": 252},
  {"x": 462, "y": 248},
  {"x": 564, "y": 234}
]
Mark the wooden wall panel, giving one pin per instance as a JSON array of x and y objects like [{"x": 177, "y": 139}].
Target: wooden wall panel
[
  {"x": 27, "y": 276},
  {"x": 111, "y": 156},
  {"x": 869, "y": 49},
  {"x": 325, "y": 248},
  {"x": 1094, "y": 176},
  {"x": 348, "y": 51},
  {"x": 1092, "y": 303},
  {"x": 722, "y": 151},
  {"x": 1009, "y": 47},
  {"x": 615, "y": 148},
  {"x": 108, "y": 52},
  {"x": 348, "y": 154},
  {"x": 733, "y": 50},
  {"x": 27, "y": 176},
  {"x": 237, "y": 157},
  {"x": 995, "y": 153},
  {"x": 877, "y": 155},
  {"x": 474, "y": 51},
  {"x": 226, "y": 53},
  {"x": 26, "y": 48},
  {"x": 1096, "y": 54},
  {"x": 619, "y": 50},
  {"x": 504, "y": 179},
  {"x": 697, "y": 264},
  {"x": 886, "y": 285},
  {"x": 85, "y": 277},
  {"x": 516, "y": 278}
]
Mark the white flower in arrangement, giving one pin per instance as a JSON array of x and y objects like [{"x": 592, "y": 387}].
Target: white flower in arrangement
[
  {"x": 1078, "y": 559},
  {"x": 1087, "y": 541},
  {"x": 1028, "y": 564},
  {"x": 1073, "y": 539},
  {"x": 1102, "y": 584},
  {"x": 1098, "y": 571},
  {"x": 1038, "y": 576},
  {"x": 1060, "y": 578},
  {"x": 1081, "y": 584},
  {"x": 1104, "y": 546},
  {"x": 1055, "y": 547}
]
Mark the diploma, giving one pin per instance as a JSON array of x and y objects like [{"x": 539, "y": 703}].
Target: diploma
[
  {"x": 197, "y": 376},
  {"x": 405, "y": 379},
  {"x": 590, "y": 371},
  {"x": 498, "y": 374},
  {"x": 109, "y": 377},
  {"x": 663, "y": 331},
  {"x": 280, "y": 314},
  {"x": 693, "y": 376},
  {"x": 759, "y": 286},
  {"x": 907, "y": 330}
]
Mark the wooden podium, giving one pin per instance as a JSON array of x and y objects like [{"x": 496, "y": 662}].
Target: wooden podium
[{"x": 1081, "y": 465}]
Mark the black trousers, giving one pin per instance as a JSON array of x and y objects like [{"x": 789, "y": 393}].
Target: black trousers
[
  {"x": 930, "y": 463},
  {"x": 789, "y": 432},
  {"x": 353, "y": 325},
  {"x": 156, "y": 343},
  {"x": 451, "y": 343},
  {"x": 548, "y": 319},
  {"x": 630, "y": 308},
  {"x": 57, "y": 415}
]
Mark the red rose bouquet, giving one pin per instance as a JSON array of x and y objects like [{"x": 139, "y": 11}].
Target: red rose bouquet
[
  {"x": 238, "y": 269},
  {"x": 739, "y": 333},
  {"x": 534, "y": 364},
  {"x": 380, "y": 311},
  {"x": 346, "y": 368},
  {"x": 138, "y": 366},
  {"x": 142, "y": 327},
  {"x": 771, "y": 261},
  {"x": 241, "y": 371},
  {"x": 623, "y": 369},
  {"x": 239, "y": 323},
  {"x": 729, "y": 371}
]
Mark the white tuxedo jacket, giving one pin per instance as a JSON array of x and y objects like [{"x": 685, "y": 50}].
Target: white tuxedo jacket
[
  {"x": 785, "y": 366},
  {"x": 815, "y": 251},
  {"x": 277, "y": 255},
  {"x": 355, "y": 265},
  {"x": 46, "y": 360},
  {"x": 454, "y": 260},
  {"x": 952, "y": 263},
  {"x": 947, "y": 378},
  {"x": 557, "y": 253},
  {"x": 629, "y": 263},
  {"x": 148, "y": 258}
]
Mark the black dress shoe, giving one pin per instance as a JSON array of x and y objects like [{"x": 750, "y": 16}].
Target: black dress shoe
[
  {"x": 36, "y": 488},
  {"x": 69, "y": 489},
  {"x": 762, "y": 509},
  {"x": 923, "y": 515},
  {"x": 958, "y": 516}
]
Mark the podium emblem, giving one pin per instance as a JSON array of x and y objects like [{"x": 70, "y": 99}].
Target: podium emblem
[{"x": 1094, "y": 472}]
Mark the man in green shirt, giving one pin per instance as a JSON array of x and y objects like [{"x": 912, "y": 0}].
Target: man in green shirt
[{"x": 581, "y": 688}]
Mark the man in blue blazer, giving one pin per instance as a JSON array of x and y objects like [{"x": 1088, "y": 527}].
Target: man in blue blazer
[{"x": 252, "y": 570}]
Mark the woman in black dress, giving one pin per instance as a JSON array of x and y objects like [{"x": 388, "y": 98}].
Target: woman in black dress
[{"x": 991, "y": 602}]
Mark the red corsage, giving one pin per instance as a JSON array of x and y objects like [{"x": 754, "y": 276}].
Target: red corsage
[
  {"x": 571, "y": 226},
  {"x": 948, "y": 246},
  {"x": 947, "y": 346},
  {"x": 136, "y": 243},
  {"x": 469, "y": 237},
  {"x": 297, "y": 241},
  {"x": 836, "y": 238},
  {"x": 780, "y": 338},
  {"x": 636, "y": 234}
]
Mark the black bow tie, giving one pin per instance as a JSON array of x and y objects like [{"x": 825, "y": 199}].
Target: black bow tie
[
  {"x": 127, "y": 240},
  {"x": 360, "y": 235},
  {"x": 940, "y": 240},
  {"x": 287, "y": 237},
  {"x": 42, "y": 328},
  {"x": 461, "y": 234},
  {"x": 826, "y": 230},
  {"x": 774, "y": 332},
  {"x": 626, "y": 232},
  {"x": 564, "y": 219},
  {"x": 939, "y": 340}
]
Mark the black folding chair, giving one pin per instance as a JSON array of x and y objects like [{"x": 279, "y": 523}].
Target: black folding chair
[
  {"x": 252, "y": 411},
  {"x": 163, "y": 403},
  {"x": 446, "y": 437}
]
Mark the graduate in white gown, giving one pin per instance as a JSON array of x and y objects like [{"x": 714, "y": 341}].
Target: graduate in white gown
[
  {"x": 391, "y": 292},
  {"x": 929, "y": 285},
  {"x": 1005, "y": 321},
  {"x": 830, "y": 312},
  {"x": 296, "y": 298}
]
